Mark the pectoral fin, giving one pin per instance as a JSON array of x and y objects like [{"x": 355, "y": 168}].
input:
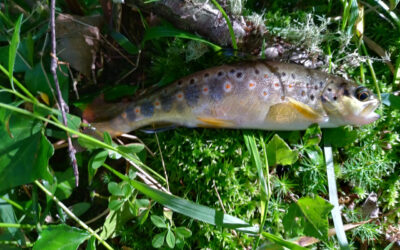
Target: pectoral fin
[
  {"x": 215, "y": 122},
  {"x": 306, "y": 111}
]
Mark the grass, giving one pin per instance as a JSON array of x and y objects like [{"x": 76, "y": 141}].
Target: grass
[{"x": 228, "y": 188}]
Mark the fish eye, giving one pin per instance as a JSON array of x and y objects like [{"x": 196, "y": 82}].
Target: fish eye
[{"x": 362, "y": 94}]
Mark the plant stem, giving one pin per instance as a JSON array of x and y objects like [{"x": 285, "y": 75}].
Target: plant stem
[
  {"x": 371, "y": 68},
  {"x": 13, "y": 203},
  {"x": 73, "y": 216},
  {"x": 18, "y": 84}
]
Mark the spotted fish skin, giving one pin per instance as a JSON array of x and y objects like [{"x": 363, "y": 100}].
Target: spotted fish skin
[{"x": 254, "y": 95}]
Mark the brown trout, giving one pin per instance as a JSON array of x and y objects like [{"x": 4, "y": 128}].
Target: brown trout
[{"x": 253, "y": 95}]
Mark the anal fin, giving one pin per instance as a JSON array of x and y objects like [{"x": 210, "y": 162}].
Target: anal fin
[{"x": 215, "y": 122}]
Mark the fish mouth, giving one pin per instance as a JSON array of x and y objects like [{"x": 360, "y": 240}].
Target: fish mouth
[{"x": 368, "y": 114}]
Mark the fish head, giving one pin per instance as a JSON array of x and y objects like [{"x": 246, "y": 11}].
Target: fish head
[{"x": 348, "y": 103}]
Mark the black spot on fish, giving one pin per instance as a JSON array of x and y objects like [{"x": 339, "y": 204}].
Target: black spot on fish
[
  {"x": 239, "y": 75},
  {"x": 192, "y": 81},
  {"x": 329, "y": 89},
  {"x": 147, "y": 109},
  {"x": 256, "y": 71},
  {"x": 316, "y": 87},
  {"x": 192, "y": 94},
  {"x": 216, "y": 90},
  {"x": 180, "y": 83},
  {"x": 293, "y": 76},
  {"x": 321, "y": 84},
  {"x": 166, "y": 103},
  {"x": 206, "y": 75},
  {"x": 283, "y": 74},
  {"x": 312, "y": 97},
  {"x": 232, "y": 71},
  {"x": 335, "y": 98},
  {"x": 323, "y": 99},
  {"x": 130, "y": 114},
  {"x": 220, "y": 73}
]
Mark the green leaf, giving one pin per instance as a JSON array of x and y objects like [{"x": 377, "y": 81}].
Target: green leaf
[
  {"x": 115, "y": 189},
  {"x": 282, "y": 242},
  {"x": 107, "y": 138},
  {"x": 80, "y": 208},
  {"x": 91, "y": 245},
  {"x": 124, "y": 43},
  {"x": 88, "y": 144},
  {"x": 312, "y": 136},
  {"x": 132, "y": 148},
  {"x": 183, "y": 232},
  {"x": 391, "y": 100},
  {"x": 316, "y": 212},
  {"x": 339, "y": 137},
  {"x": 13, "y": 48},
  {"x": 189, "y": 208},
  {"x": 170, "y": 239},
  {"x": 115, "y": 204},
  {"x": 109, "y": 226},
  {"x": 61, "y": 237},
  {"x": 310, "y": 215},
  {"x": 37, "y": 81},
  {"x": 158, "y": 221},
  {"x": 24, "y": 151},
  {"x": 7, "y": 215},
  {"x": 98, "y": 159},
  {"x": 158, "y": 240},
  {"x": 279, "y": 152},
  {"x": 169, "y": 31},
  {"x": 66, "y": 183},
  {"x": 95, "y": 162}
]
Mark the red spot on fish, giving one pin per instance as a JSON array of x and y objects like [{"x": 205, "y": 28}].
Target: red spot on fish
[
  {"x": 157, "y": 104},
  {"x": 228, "y": 86},
  {"x": 124, "y": 115},
  {"x": 265, "y": 75},
  {"x": 265, "y": 93},
  {"x": 276, "y": 84},
  {"x": 137, "y": 110},
  {"x": 205, "y": 89},
  {"x": 251, "y": 85},
  {"x": 290, "y": 85}
]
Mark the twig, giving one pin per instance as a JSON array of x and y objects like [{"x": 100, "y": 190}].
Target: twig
[{"x": 61, "y": 103}]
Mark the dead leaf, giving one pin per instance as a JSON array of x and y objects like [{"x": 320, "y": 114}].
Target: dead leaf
[{"x": 78, "y": 40}]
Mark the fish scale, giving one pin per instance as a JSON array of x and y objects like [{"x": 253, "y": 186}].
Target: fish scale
[{"x": 255, "y": 95}]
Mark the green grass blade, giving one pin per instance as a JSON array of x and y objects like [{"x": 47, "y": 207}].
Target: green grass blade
[
  {"x": 189, "y": 208},
  {"x": 396, "y": 76},
  {"x": 282, "y": 242},
  {"x": 333, "y": 198},
  {"x": 264, "y": 182},
  {"x": 231, "y": 32},
  {"x": 13, "y": 49},
  {"x": 124, "y": 43},
  {"x": 169, "y": 31}
]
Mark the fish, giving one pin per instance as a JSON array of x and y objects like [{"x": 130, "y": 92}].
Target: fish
[{"x": 249, "y": 95}]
